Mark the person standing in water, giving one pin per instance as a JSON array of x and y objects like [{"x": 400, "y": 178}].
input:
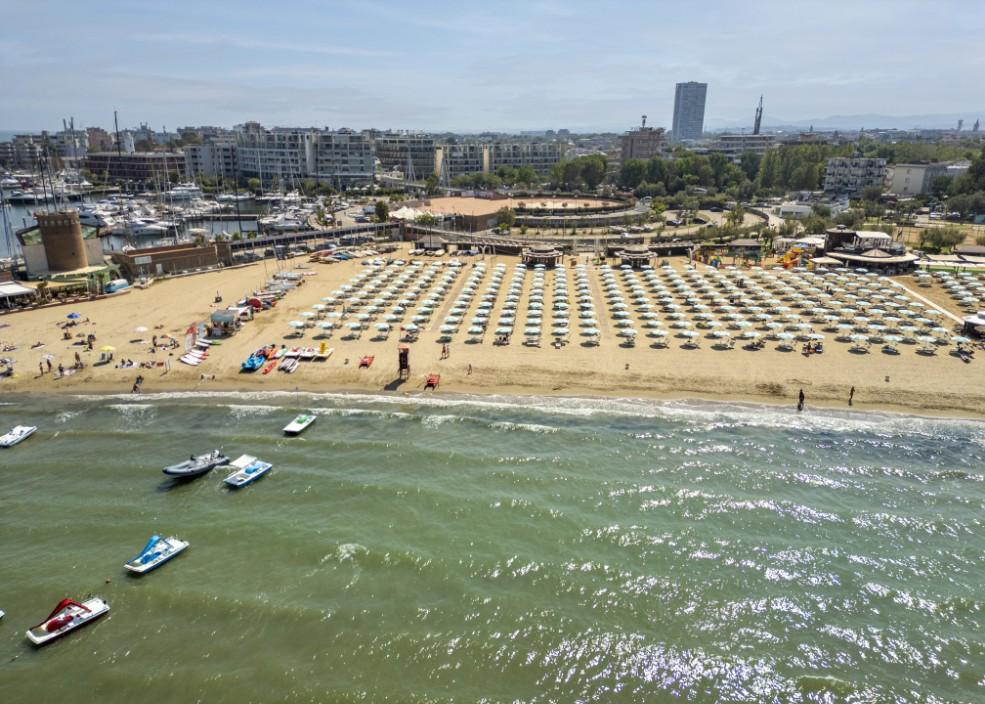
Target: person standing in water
[
  {"x": 800, "y": 401},
  {"x": 851, "y": 396}
]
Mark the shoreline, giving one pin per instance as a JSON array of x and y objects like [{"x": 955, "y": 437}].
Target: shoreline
[{"x": 697, "y": 401}]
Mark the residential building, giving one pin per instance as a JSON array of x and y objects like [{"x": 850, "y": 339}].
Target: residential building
[
  {"x": 689, "y": 111},
  {"x": 141, "y": 167},
  {"x": 7, "y": 154},
  {"x": 411, "y": 154},
  {"x": 343, "y": 158},
  {"x": 26, "y": 150},
  {"x": 453, "y": 160},
  {"x": 99, "y": 139},
  {"x": 126, "y": 142},
  {"x": 282, "y": 157},
  {"x": 851, "y": 175},
  {"x": 539, "y": 156},
  {"x": 914, "y": 179},
  {"x": 735, "y": 145},
  {"x": 71, "y": 145},
  {"x": 642, "y": 143}
]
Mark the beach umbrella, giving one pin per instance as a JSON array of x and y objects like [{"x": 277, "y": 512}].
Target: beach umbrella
[
  {"x": 296, "y": 324},
  {"x": 620, "y": 315},
  {"x": 383, "y": 327},
  {"x": 960, "y": 340},
  {"x": 786, "y": 336},
  {"x": 140, "y": 328},
  {"x": 447, "y": 329},
  {"x": 335, "y": 315},
  {"x": 73, "y": 316},
  {"x": 628, "y": 333},
  {"x": 326, "y": 325},
  {"x": 106, "y": 348},
  {"x": 815, "y": 336},
  {"x": 590, "y": 332},
  {"x": 750, "y": 335},
  {"x": 892, "y": 339},
  {"x": 419, "y": 319},
  {"x": 328, "y": 299},
  {"x": 690, "y": 334},
  {"x": 355, "y": 326},
  {"x": 306, "y": 314},
  {"x": 411, "y": 327},
  {"x": 504, "y": 330},
  {"x": 476, "y": 330}
]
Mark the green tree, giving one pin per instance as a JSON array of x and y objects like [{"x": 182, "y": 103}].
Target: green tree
[
  {"x": 382, "y": 211},
  {"x": 632, "y": 173},
  {"x": 505, "y": 217},
  {"x": 253, "y": 184},
  {"x": 872, "y": 193},
  {"x": 940, "y": 238}
]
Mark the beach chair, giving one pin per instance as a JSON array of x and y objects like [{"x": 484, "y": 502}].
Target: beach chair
[
  {"x": 432, "y": 381},
  {"x": 366, "y": 362}
]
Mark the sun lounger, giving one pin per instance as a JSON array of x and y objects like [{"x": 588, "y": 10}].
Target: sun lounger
[
  {"x": 366, "y": 361},
  {"x": 432, "y": 381}
]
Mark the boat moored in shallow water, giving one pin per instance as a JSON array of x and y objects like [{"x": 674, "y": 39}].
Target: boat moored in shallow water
[
  {"x": 156, "y": 552},
  {"x": 299, "y": 424},
  {"x": 248, "y": 470},
  {"x": 196, "y": 465},
  {"x": 67, "y": 616},
  {"x": 18, "y": 434}
]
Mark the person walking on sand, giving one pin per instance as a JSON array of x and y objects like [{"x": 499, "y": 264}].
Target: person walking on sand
[
  {"x": 41, "y": 368},
  {"x": 851, "y": 396},
  {"x": 469, "y": 371},
  {"x": 800, "y": 401},
  {"x": 49, "y": 365}
]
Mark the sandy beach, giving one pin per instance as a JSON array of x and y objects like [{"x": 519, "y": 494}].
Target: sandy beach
[{"x": 907, "y": 381}]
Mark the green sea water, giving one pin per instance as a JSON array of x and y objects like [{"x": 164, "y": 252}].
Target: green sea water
[{"x": 457, "y": 549}]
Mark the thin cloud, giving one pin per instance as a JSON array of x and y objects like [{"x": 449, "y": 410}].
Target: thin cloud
[{"x": 261, "y": 44}]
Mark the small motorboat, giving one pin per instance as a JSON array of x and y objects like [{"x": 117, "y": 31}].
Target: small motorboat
[
  {"x": 247, "y": 470},
  {"x": 299, "y": 424},
  {"x": 18, "y": 434},
  {"x": 289, "y": 365},
  {"x": 197, "y": 465},
  {"x": 67, "y": 616},
  {"x": 156, "y": 552}
]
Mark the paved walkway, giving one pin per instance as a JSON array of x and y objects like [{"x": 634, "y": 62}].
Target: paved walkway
[{"x": 928, "y": 302}]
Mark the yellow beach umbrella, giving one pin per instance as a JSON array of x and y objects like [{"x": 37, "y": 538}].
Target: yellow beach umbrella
[{"x": 107, "y": 348}]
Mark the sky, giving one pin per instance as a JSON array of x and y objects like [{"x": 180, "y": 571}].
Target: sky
[{"x": 497, "y": 65}]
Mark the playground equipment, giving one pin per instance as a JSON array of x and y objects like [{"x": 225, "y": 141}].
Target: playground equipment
[{"x": 792, "y": 257}]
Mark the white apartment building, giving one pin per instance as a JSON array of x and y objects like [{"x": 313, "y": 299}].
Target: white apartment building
[
  {"x": 453, "y": 160},
  {"x": 735, "y": 145}
]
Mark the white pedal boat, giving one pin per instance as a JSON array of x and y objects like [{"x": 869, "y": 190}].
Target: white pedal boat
[
  {"x": 18, "y": 434},
  {"x": 67, "y": 616},
  {"x": 247, "y": 470},
  {"x": 156, "y": 552},
  {"x": 299, "y": 424}
]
